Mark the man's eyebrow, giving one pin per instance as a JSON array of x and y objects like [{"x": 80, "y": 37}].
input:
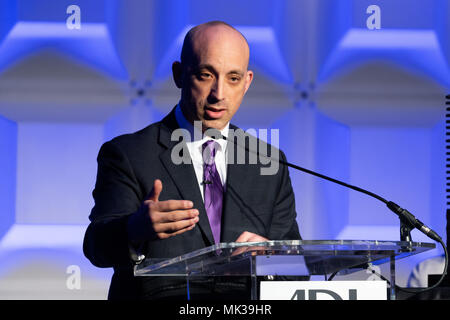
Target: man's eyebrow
[
  {"x": 205, "y": 66},
  {"x": 238, "y": 72},
  {"x": 211, "y": 68}
]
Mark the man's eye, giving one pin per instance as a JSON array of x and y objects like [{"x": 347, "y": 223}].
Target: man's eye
[
  {"x": 205, "y": 75},
  {"x": 235, "y": 79}
]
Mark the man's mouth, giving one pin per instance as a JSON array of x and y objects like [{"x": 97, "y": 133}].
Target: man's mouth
[{"x": 214, "y": 113}]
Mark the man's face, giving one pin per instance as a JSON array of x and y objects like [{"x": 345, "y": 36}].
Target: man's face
[{"x": 216, "y": 78}]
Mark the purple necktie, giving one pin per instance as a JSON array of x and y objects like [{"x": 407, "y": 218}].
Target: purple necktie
[{"x": 213, "y": 188}]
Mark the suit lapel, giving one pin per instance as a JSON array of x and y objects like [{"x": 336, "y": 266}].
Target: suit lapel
[{"x": 183, "y": 175}]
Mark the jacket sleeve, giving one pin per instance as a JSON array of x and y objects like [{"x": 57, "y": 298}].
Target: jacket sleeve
[{"x": 117, "y": 196}]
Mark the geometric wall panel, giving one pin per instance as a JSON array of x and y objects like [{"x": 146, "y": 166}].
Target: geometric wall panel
[
  {"x": 42, "y": 273},
  {"x": 48, "y": 86},
  {"x": 8, "y": 162},
  {"x": 33, "y": 265},
  {"x": 8, "y": 16},
  {"x": 416, "y": 50},
  {"x": 381, "y": 93},
  {"x": 363, "y": 106},
  {"x": 56, "y": 171},
  {"x": 314, "y": 141},
  {"x": 136, "y": 35},
  {"x": 407, "y": 15},
  {"x": 90, "y": 44},
  {"x": 442, "y": 25},
  {"x": 389, "y": 169}
]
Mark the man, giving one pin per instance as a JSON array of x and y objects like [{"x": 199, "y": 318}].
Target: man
[{"x": 147, "y": 205}]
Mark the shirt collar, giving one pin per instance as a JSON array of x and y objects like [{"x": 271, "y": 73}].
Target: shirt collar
[{"x": 195, "y": 135}]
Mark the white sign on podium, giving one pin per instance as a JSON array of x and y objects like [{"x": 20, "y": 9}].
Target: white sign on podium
[{"x": 323, "y": 290}]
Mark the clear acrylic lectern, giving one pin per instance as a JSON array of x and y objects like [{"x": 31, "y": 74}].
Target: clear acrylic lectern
[{"x": 284, "y": 258}]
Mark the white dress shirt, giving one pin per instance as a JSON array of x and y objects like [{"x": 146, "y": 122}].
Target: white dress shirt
[{"x": 194, "y": 142}]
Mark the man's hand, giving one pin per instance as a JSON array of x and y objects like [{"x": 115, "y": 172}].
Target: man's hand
[
  {"x": 250, "y": 237},
  {"x": 161, "y": 219}
]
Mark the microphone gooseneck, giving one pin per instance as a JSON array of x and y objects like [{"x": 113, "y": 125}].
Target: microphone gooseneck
[
  {"x": 407, "y": 220},
  {"x": 403, "y": 214}
]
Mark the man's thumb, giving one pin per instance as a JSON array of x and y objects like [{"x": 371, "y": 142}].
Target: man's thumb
[{"x": 157, "y": 188}]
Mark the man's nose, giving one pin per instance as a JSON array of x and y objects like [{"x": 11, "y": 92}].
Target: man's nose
[{"x": 217, "y": 90}]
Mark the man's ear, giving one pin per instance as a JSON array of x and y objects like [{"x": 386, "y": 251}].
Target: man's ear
[
  {"x": 177, "y": 72},
  {"x": 248, "y": 80}
]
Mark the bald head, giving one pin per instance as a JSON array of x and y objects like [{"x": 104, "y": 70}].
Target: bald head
[
  {"x": 213, "y": 73},
  {"x": 209, "y": 33}
]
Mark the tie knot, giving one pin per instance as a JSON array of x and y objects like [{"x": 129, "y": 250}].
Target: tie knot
[{"x": 209, "y": 151}]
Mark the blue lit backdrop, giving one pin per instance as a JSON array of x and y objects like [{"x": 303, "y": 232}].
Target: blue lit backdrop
[{"x": 365, "y": 106}]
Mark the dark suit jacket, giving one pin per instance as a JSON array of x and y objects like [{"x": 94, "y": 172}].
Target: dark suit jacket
[{"x": 127, "y": 168}]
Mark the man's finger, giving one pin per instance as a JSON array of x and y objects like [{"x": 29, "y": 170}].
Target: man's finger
[
  {"x": 174, "y": 227},
  {"x": 172, "y": 205},
  {"x": 178, "y": 215},
  {"x": 243, "y": 237},
  {"x": 164, "y": 235},
  {"x": 174, "y": 216},
  {"x": 156, "y": 191}
]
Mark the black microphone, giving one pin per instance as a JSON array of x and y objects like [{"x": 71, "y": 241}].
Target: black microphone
[
  {"x": 405, "y": 216},
  {"x": 413, "y": 221}
]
